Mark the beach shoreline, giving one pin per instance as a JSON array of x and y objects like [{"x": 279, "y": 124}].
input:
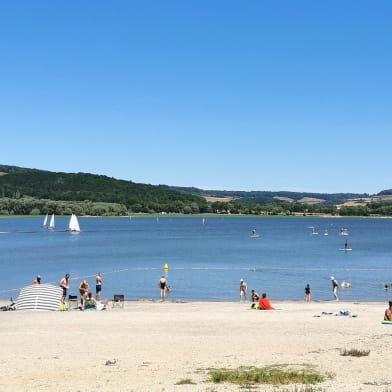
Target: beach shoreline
[{"x": 153, "y": 345}]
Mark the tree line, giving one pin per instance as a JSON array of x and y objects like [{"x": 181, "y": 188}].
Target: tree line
[
  {"x": 34, "y": 192},
  {"x": 27, "y": 205}
]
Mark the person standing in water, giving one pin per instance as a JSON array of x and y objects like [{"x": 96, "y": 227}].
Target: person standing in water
[
  {"x": 335, "y": 286},
  {"x": 243, "y": 290},
  {"x": 163, "y": 285}
]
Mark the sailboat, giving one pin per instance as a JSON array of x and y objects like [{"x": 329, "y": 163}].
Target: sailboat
[
  {"x": 45, "y": 224},
  {"x": 51, "y": 223},
  {"x": 74, "y": 224}
]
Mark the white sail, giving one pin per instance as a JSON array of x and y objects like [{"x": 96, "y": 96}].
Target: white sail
[
  {"x": 51, "y": 223},
  {"x": 45, "y": 221},
  {"x": 73, "y": 224}
]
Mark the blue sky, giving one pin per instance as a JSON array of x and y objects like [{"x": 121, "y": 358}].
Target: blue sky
[{"x": 235, "y": 95}]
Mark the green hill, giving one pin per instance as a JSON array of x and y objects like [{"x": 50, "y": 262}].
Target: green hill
[
  {"x": 16, "y": 183},
  {"x": 32, "y": 191}
]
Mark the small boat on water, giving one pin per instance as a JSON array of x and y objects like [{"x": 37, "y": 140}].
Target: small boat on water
[
  {"x": 73, "y": 226},
  {"x": 313, "y": 232},
  {"x": 51, "y": 223},
  {"x": 45, "y": 224}
]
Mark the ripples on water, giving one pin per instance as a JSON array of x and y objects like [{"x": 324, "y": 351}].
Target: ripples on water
[{"x": 206, "y": 261}]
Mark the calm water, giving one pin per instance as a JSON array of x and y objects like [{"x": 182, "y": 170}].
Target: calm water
[{"x": 206, "y": 261}]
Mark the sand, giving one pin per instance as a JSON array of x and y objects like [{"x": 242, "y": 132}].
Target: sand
[{"x": 151, "y": 346}]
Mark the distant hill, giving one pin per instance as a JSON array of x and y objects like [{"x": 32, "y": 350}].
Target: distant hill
[
  {"x": 266, "y": 197},
  {"x": 16, "y": 182},
  {"x": 33, "y": 191}
]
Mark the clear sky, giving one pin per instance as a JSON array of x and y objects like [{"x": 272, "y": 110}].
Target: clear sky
[{"x": 216, "y": 94}]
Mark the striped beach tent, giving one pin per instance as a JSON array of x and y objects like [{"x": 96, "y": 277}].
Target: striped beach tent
[{"x": 39, "y": 297}]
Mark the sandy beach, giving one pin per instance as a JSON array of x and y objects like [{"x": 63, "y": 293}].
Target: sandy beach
[{"x": 152, "y": 346}]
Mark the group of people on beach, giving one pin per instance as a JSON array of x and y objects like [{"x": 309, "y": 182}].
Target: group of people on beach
[
  {"x": 84, "y": 289},
  {"x": 257, "y": 301},
  {"x": 255, "y": 296}
]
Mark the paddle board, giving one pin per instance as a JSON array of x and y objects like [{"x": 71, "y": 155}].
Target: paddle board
[
  {"x": 345, "y": 249},
  {"x": 386, "y": 322}
]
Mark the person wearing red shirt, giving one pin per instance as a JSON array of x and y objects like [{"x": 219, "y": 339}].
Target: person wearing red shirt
[{"x": 264, "y": 302}]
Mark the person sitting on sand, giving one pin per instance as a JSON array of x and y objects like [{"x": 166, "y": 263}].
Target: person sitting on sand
[
  {"x": 388, "y": 312},
  {"x": 254, "y": 296},
  {"x": 92, "y": 304},
  {"x": 264, "y": 302}
]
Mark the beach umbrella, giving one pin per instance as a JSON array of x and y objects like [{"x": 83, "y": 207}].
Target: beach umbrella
[{"x": 39, "y": 297}]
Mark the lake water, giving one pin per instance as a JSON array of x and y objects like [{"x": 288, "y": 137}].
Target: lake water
[{"x": 206, "y": 260}]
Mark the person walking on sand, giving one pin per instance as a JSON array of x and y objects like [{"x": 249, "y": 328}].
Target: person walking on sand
[
  {"x": 162, "y": 286},
  {"x": 243, "y": 290},
  {"x": 64, "y": 285},
  {"x": 335, "y": 286},
  {"x": 307, "y": 293},
  {"x": 98, "y": 285}
]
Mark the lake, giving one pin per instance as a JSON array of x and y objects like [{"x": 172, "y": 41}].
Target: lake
[{"x": 206, "y": 257}]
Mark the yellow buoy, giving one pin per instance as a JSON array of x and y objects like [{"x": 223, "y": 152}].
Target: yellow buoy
[{"x": 165, "y": 266}]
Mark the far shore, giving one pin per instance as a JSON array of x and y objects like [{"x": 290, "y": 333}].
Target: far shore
[
  {"x": 171, "y": 346},
  {"x": 207, "y": 215}
]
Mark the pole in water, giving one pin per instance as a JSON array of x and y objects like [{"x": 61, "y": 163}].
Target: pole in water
[{"x": 166, "y": 267}]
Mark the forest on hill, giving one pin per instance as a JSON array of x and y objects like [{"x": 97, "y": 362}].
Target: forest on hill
[{"x": 25, "y": 191}]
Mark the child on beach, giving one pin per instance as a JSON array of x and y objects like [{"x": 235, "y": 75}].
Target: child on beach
[
  {"x": 388, "y": 312},
  {"x": 98, "y": 285},
  {"x": 254, "y": 296},
  {"x": 307, "y": 293}
]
